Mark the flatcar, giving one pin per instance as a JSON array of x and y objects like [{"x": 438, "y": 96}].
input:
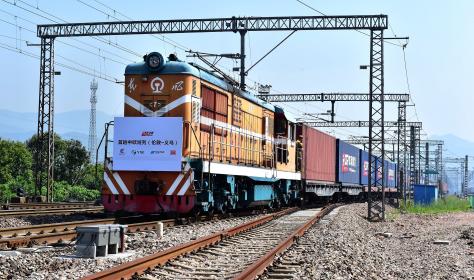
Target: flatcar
[{"x": 191, "y": 141}]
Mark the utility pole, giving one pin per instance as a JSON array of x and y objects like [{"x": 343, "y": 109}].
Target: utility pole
[
  {"x": 92, "y": 122},
  {"x": 427, "y": 163},
  {"x": 242, "y": 59},
  {"x": 466, "y": 176}
]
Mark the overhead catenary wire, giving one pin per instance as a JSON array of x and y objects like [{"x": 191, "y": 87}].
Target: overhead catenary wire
[
  {"x": 32, "y": 55},
  {"x": 163, "y": 38},
  {"x": 323, "y": 14},
  {"x": 73, "y": 39},
  {"x": 89, "y": 69},
  {"x": 55, "y": 19},
  {"x": 63, "y": 57}
]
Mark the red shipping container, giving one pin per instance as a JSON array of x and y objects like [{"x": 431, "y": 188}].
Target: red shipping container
[{"x": 319, "y": 157}]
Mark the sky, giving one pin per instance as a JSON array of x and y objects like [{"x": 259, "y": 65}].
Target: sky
[{"x": 439, "y": 55}]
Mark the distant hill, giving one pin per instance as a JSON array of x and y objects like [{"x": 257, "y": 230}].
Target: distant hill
[
  {"x": 457, "y": 147},
  {"x": 70, "y": 125}
]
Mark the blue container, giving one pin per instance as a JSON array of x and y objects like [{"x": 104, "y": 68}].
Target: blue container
[
  {"x": 378, "y": 172},
  {"x": 347, "y": 163},
  {"x": 390, "y": 174},
  {"x": 425, "y": 194},
  {"x": 364, "y": 168},
  {"x": 397, "y": 175}
]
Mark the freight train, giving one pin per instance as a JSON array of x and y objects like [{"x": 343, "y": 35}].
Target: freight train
[{"x": 191, "y": 141}]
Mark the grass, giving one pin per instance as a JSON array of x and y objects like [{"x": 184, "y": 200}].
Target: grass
[{"x": 443, "y": 205}]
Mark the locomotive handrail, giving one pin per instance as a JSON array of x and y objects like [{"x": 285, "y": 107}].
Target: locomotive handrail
[
  {"x": 195, "y": 137},
  {"x": 106, "y": 136}
]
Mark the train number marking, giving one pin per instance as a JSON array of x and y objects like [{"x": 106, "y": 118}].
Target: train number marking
[
  {"x": 157, "y": 85},
  {"x": 178, "y": 86},
  {"x": 131, "y": 85}
]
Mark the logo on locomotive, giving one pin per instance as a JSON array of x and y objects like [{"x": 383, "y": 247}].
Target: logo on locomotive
[
  {"x": 131, "y": 85},
  {"x": 178, "y": 86},
  {"x": 349, "y": 163},
  {"x": 157, "y": 85}
]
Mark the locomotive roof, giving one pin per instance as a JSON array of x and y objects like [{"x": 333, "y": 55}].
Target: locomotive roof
[{"x": 181, "y": 67}]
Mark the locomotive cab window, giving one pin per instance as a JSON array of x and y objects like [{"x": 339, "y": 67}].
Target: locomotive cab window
[{"x": 281, "y": 126}]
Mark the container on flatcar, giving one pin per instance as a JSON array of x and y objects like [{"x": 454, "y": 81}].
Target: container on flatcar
[
  {"x": 390, "y": 174},
  {"x": 348, "y": 163},
  {"x": 319, "y": 150},
  {"x": 378, "y": 170},
  {"x": 364, "y": 168}
]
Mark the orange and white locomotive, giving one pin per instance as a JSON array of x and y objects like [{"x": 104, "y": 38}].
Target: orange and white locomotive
[{"x": 213, "y": 147}]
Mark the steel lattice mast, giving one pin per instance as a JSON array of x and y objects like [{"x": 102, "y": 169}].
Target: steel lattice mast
[{"x": 92, "y": 144}]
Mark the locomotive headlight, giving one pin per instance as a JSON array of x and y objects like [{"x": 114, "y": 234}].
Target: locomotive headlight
[{"x": 154, "y": 60}]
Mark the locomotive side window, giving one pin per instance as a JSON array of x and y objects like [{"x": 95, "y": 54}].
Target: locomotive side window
[{"x": 213, "y": 110}]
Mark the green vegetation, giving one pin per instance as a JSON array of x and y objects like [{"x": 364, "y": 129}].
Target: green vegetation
[
  {"x": 443, "y": 205},
  {"x": 74, "y": 176}
]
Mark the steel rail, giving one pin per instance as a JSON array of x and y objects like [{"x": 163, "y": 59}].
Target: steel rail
[
  {"x": 139, "y": 266},
  {"x": 61, "y": 232},
  {"x": 17, "y": 206},
  {"x": 259, "y": 266},
  {"x": 64, "y": 232},
  {"x": 53, "y": 211},
  {"x": 49, "y": 228}
]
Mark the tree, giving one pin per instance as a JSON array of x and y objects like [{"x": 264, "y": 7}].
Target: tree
[
  {"x": 15, "y": 168},
  {"x": 15, "y": 161},
  {"x": 73, "y": 175},
  {"x": 90, "y": 180},
  {"x": 70, "y": 156},
  {"x": 76, "y": 160}
]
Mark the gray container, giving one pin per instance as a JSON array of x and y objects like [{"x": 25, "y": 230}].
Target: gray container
[
  {"x": 92, "y": 241},
  {"x": 97, "y": 235},
  {"x": 114, "y": 234}
]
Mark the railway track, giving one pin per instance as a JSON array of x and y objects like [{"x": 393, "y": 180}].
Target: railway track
[
  {"x": 50, "y": 211},
  {"x": 39, "y": 205},
  {"x": 57, "y": 233},
  {"x": 63, "y": 232},
  {"x": 242, "y": 252}
]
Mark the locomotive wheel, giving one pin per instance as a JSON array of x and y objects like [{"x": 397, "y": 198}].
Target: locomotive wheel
[
  {"x": 222, "y": 209},
  {"x": 277, "y": 204},
  {"x": 210, "y": 213},
  {"x": 197, "y": 212}
]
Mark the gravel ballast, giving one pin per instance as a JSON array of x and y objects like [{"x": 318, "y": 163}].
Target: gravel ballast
[
  {"x": 346, "y": 246},
  {"x": 9, "y": 222},
  {"x": 58, "y": 263}
]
